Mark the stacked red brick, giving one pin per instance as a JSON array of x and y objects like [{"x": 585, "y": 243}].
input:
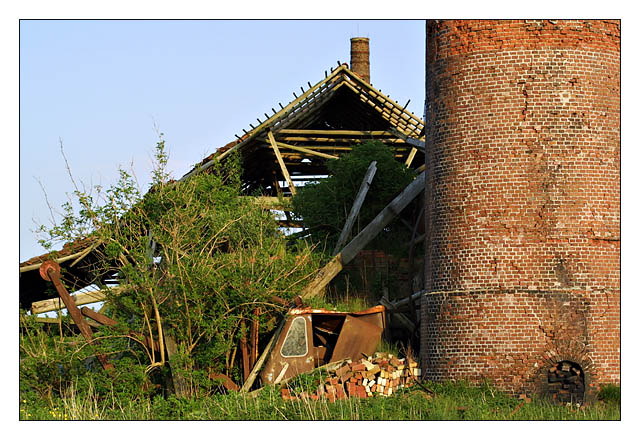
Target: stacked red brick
[
  {"x": 379, "y": 375},
  {"x": 522, "y": 267}
]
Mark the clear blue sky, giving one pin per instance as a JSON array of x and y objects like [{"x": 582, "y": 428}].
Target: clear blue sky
[{"x": 100, "y": 86}]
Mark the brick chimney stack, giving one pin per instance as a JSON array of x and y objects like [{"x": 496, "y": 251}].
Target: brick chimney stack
[{"x": 360, "y": 57}]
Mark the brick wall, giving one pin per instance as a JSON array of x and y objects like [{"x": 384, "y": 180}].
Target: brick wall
[{"x": 523, "y": 197}]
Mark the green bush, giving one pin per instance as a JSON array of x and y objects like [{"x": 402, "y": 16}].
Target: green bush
[
  {"x": 324, "y": 206},
  {"x": 609, "y": 393},
  {"x": 194, "y": 260}
]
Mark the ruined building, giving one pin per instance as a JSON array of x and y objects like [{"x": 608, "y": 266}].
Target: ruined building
[
  {"x": 522, "y": 196},
  {"x": 288, "y": 147},
  {"x": 522, "y": 270}
]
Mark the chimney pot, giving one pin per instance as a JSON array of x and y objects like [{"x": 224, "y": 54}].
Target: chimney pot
[{"x": 360, "y": 57}]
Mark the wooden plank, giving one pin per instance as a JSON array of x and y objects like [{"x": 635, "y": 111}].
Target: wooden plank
[
  {"x": 98, "y": 317},
  {"x": 246, "y": 386},
  {"x": 323, "y": 277},
  {"x": 306, "y": 150},
  {"x": 283, "y": 167},
  {"x": 405, "y": 301},
  {"x": 336, "y": 132},
  {"x": 357, "y": 204},
  {"x": 412, "y": 154},
  {"x": 49, "y": 305},
  {"x": 321, "y": 147},
  {"x": 383, "y": 219},
  {"x": 326, "y": 274},
  {"x": 344, "y": 141},
  {"x": 403, "y": 320}
]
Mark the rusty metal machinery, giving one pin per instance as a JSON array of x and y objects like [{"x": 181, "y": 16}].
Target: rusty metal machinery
[{"x": 50, "y": 271}]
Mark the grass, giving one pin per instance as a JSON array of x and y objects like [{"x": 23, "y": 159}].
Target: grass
[{"x": 452, "y": 401}]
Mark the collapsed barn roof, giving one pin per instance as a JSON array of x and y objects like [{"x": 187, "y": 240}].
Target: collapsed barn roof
[
  {"x": 322, "y": 123},
  {"x": 288, "y": 148}
]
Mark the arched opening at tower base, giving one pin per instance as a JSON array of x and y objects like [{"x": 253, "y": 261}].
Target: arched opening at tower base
[{"x": 565, "y": 383}]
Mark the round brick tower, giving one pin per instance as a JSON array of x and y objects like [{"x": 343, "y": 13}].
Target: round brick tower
[{"x": 522, "y": 268}]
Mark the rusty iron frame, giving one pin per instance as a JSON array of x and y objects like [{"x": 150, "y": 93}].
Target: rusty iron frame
[{"x": 50, "y": 271}]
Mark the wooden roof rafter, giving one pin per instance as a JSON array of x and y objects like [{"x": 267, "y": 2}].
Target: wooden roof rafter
[
  {"x": 276, "y": 120},
  {"x": 311, "y": 107},
  {"x": 401, "y": 112}
]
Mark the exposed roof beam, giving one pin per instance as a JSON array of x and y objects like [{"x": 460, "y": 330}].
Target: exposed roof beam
[
  {"x": 382, "y": 98},
  {"x": 283, "y": 167},
  {"x": 271, "y": 121},
  {"x": 337, "y": 139},
  {"x": 410, "y": 157},
  {"x": 336, "y": 132},
  {"x": 306, "y": 150},
  {"x": 390, "y": 116}
]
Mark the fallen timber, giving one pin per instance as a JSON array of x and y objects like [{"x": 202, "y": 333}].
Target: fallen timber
[{"x": 392, "y": 210}]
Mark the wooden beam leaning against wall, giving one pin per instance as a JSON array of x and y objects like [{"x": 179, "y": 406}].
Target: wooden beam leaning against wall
[
  {"x": 331, "y": 269},
  {"x": 355, "y": 208}
]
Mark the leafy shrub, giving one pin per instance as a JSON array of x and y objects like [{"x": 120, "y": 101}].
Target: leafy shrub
[
  {"x": 194, "y": 260},
  {"x": 609, "y": 393},
  {"x": 325, "y": 205}
]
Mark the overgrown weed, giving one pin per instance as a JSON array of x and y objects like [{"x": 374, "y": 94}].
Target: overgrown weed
[{"x": 452, "y": 401}]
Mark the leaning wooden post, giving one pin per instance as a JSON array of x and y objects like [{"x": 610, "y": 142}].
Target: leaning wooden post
[
  {"x": 263, "y": 357},
  {"x": 331, "y": 269},
  {"x": 283, "y": 167},
  {"x": 253, "y": 344},
  {"x": 357, "y": 204},
  {"x": 410, "y": 157}
]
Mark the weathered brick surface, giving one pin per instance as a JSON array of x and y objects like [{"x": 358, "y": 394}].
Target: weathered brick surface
[
  {"x": 523, "y": 196},
  {"x": 513, "y": 337}
]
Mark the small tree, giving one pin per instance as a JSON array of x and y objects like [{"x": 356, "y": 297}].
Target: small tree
[
  {"x": 194, "y": 260},
  {"x": 324, "y": 206}
]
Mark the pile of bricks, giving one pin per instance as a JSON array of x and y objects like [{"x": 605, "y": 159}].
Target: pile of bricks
[
  {"x": 379, "y": 375},
  {"x": 566, "y": 383}
]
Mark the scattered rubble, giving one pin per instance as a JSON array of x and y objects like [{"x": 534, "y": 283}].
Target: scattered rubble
[{"x": 379, "y": 375}]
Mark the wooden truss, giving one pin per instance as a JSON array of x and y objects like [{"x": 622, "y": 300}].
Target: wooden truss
[{"x": 294, "y": 144}]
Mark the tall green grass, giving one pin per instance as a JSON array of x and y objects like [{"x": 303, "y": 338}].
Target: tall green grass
[{"x": 452, "y": 401}]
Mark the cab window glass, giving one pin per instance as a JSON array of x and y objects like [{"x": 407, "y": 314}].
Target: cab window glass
[{"x": 295, "y": 344}]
